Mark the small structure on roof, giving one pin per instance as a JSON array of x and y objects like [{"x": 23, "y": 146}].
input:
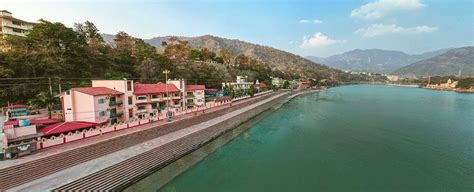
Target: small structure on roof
[{"x": 15, "y": 111}]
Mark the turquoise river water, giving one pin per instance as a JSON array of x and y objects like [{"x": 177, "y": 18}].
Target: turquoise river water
[{"x": 349, "y": 138}]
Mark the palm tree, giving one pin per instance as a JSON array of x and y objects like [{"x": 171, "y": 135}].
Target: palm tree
[{"x": 44, "y": 99}]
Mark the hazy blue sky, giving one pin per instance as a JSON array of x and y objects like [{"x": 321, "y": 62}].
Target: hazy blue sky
[{"x": 318, "y": 28}]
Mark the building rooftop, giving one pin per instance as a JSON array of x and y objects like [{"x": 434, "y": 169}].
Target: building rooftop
[
  {"x": 66, "y": 127},
  {"x": 97, "y": 91},
  {"x": 260, "y": 85},
  {"x": 143, "y": 89},
  {"x": 5, "y": 11},
  {"x": 32, "y": 121},
  {"x": 195, "y": 87}
]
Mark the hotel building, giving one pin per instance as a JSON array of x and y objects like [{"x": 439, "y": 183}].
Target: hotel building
[
  {"x": 121, "y": 100},
  {"x": 10, "y": 25}
]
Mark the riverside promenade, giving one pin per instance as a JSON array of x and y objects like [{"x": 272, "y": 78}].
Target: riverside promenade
[{"x": 84, "y": 160}]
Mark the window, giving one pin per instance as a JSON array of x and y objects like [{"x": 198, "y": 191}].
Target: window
[
  {"x": 141, "y": 97},
  {"x": 199, "y": 100},
  {"x": 17, "y": 30},
  {"x": 129, "y": 85},
  {"x": 68, "y": 92},
  {"x": 141, "y": 108},
  {"x": 101, "y": 101},
  {"x": 102, "y": 113},
  {"x": 130, "y": 100}
]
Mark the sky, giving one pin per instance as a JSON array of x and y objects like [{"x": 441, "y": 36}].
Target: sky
[{"x": 307, "y": 28}]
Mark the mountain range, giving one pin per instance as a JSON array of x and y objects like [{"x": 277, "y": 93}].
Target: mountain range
[
  {"x": 277, "y": 59},
  {"x": 453, "y": 62},
  {"x": 373, "y": 60}
]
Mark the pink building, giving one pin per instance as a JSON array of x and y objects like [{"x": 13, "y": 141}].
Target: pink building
[
  {"x": 92, "y": 104},
  {"x": 120, "y": 100}
]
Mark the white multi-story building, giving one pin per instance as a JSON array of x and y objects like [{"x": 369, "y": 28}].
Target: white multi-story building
[
  {"x": 241, "y": 83},
  {"x": 10, "y": 25},
  {"x": 278, "y": 82}
]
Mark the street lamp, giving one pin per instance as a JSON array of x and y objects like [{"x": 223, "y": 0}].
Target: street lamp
[{"x": 168, "y": 112}]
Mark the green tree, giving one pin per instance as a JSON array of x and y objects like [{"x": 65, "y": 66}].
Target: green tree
[
  {"x": 286, "y": 85},
  {"x": 44, "y": 99},
  {"x": 252, "y": 90}
]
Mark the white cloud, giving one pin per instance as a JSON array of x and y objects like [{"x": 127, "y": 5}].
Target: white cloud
[
  {"x": 381, "y": 29},
  {"x": 318, "y": 40},
  {"x": 381, "y": 8},
  {"x": 315, "y": 21}
]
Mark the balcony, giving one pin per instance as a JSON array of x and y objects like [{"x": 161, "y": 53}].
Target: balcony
[
  {"x": 190, "y": 95},
  {"x": 116, "y": 115},
  {"x": 115, "y": 103}
]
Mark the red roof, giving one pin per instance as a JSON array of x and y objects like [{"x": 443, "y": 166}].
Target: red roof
[
  {"x": 66, "y": 127},
  {"x": 143, "y": 89},
  {"x": 16, "y": 106},
  {"x": 223, "y": 99},
  {"x": 260, "y": 85},
  {"x": 97, "y": 91},
  {"x": 195, "y": 87},
  {"x": 32, "y": 121}
]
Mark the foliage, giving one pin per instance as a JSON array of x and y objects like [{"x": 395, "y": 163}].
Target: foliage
[
  {"x": 252, "y": 90},
  {"x": 42, "y": 100}
]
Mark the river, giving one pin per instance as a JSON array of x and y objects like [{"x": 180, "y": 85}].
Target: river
[{"x": 349, "y": 138}]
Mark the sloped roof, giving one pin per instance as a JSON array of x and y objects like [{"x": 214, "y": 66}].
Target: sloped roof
[
  {"x": 260, "y": 85},
  {"x": 195, "y": 87},
  {"x": 143, "y": 89},
  {"x": 67, "y": 127},
  {"x": 97, "y": 91}
]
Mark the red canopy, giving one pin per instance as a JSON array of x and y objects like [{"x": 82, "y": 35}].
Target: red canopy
[
  {"x": 16, "y": 106},
  {"x": 32, "y": 121},
  {"x": 67, "y": 127}
]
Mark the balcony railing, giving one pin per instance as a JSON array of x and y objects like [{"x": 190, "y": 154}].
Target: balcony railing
[
  {"x": 116, "y": 115},
  {"x": 115, "y": 103}
]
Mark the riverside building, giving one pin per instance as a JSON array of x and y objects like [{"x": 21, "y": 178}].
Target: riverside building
[
  {"x": 10, "y": 25},
  {"x": 120, "y": 100}
]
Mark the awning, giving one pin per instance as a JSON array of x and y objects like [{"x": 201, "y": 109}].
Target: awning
[{"x": 67, "y": 127}]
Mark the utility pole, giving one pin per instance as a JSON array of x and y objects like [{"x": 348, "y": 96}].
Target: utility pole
[
  {"x": 59, "y": 85},
  {"x": 50, "y": 88},
  {"x": 168, "y": 112}
]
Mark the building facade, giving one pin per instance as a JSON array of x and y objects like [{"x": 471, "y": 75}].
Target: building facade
[
  {"x": 193, "y": 95},
  {"x": 240, "y": 83},
  {"x": 278, "y": 82},
  {"x": 93, "y": 104},
  {"x": 10, "y": 25}
]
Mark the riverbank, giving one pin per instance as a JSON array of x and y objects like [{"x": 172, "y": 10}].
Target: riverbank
[{"x": 459, "y": 90}]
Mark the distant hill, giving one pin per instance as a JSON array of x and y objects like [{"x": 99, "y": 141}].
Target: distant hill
[
  {"x": 277, "y": 59},
  {"x": 373, "y": 60},
  {"x": 449, "y": 63}
]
